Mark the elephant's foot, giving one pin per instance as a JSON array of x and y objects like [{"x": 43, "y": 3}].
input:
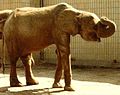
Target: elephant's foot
[
  {"x": 14, "y": 82},
  {"x": 68, "y": 88},
  {"x": 56, "y": 85},
  {"x": 32, "y": 82}
]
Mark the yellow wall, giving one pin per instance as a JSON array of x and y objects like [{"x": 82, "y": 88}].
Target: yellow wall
[{"x": 12, "y": 4}]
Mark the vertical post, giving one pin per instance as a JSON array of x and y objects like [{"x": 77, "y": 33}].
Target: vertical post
[
  {"x": 38, "y": 3},
  {"x": 42, "y": 51},
  {"x": 3, "y": 55},
  {"x": 41, "y": 3}
]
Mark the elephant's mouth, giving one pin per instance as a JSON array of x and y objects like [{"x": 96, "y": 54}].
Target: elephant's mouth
[
  {"x": 98, "y": 40},
  {"x": 93, "y": 37}
]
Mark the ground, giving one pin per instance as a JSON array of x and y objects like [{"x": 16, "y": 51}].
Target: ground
[{"x": 86, "y": 81}]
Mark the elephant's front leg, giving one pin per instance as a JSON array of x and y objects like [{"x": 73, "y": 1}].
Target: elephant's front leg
[
  {"x": 66, "y": 61},
  {"x": 63, "y": 46},
  {"x": 28, "y": 61},
  {"x": 58, "y": 72}
]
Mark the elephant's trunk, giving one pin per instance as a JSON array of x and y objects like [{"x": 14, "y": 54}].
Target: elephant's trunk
[{"x": 106, "y": 27}]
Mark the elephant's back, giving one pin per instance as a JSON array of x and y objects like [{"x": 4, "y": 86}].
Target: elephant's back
[{"x": 25, "y": 27}]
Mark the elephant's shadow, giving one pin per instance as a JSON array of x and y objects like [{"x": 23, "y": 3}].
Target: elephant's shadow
[
  {"x": 4, "y": 89},
  {"x": 43, "y": 91},
  {"x": 100, "y": 74}
]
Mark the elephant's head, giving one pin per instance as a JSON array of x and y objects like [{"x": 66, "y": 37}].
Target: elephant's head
[{"x": 92, "y": 28}]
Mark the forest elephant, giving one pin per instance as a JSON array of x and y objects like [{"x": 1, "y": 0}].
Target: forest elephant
[{"x": 32, "y": 29}]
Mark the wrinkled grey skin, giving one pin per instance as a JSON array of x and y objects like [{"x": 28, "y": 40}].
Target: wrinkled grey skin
[
  {"x": 4, "y": 14},
  {"x": 32, "y": 29}
]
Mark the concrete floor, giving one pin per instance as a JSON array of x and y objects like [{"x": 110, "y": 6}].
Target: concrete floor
[{"x": 86, "y": 81}]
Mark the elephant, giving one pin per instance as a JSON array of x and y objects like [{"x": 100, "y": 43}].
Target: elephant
[
  {"x": 31, "y": 29},
  {"x": 4, "y": 14}
]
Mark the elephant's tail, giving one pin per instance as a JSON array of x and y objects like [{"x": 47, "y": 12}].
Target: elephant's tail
[{"x": 3, "y": 54}]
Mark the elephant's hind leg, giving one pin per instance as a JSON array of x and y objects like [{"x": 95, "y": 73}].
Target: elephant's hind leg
[
  {"x": 14, "y": 82},
  {"x": 13, "y": 55},
  {"x": 28, "y": 61}
]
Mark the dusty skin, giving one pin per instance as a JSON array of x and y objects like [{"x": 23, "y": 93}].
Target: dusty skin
[{"x": 32, "y": 29}]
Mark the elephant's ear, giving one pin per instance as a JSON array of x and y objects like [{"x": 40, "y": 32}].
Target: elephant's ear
[
  {"x": 85, "y": 19},
  {"x": 66, "y": 22}
]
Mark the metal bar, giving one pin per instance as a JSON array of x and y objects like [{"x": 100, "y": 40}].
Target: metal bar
[
  {"x": 3, "y": 55},
  {"x": 41, "y": 3},
  {"x": 42, "y": 51}
]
